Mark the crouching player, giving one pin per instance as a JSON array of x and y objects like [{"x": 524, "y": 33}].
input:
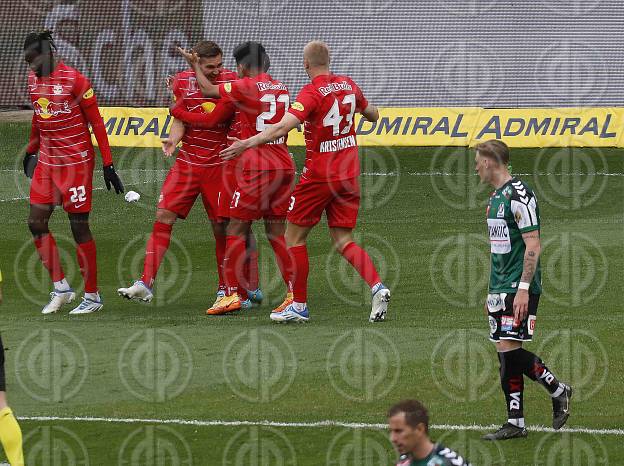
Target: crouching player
[
  {"x": 329, "y": 181},
  {"x": 64, "y": 105}
]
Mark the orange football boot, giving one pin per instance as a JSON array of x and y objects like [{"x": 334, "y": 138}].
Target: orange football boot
[
  {"x": 287, "y": 302},
  {"x": 224, "y": 305}
]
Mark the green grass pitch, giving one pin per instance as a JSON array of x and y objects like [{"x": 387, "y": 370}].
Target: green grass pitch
[{"x": 422, "y": 219}]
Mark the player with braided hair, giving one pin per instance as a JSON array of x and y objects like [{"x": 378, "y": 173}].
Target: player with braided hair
[{"x": 64, "y": 106}]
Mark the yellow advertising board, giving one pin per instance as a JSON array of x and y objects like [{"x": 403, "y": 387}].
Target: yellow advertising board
[{"x": 453, "y": 126}]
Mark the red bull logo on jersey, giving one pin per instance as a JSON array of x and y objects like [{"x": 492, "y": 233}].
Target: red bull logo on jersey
[
  {"x": 208, "y": 107},
  {"x": 334, "y": 87},
  {"x": 46, "y": 109}
]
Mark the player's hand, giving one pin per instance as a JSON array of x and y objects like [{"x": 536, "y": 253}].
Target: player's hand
[
  {"x": 111, "y": 178},
  {"x": 169, "y": 83},
  {"x": 191, "y": 57},
  {"x": 30, "y": 162},
  {"x": 233, "y": 151},
  {"x": 168, "y": 147},
  {"x": 521, "y": 305}
]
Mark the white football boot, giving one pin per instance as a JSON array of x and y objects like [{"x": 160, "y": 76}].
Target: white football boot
[
  {"x": 57, "y": 300},
  {"x": 381, "y": 298},
  {"x": 138, "y": 290},
  {"x": 87, "y": 306}
]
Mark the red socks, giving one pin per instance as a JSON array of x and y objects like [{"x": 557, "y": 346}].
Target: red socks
[
  {"x": 48, "y": 252},
  {"x": 361, "y": 261},
  {"x": 220, "y": 242},
  {"x": 234, "y": 262},
  {"x": 250, "y": 270},
  {"x": 300, "y": 269},
  {"x": 87, "y": 260},
  {"x": 157, "y": 246},
  {"x": 283, "y": 260}
]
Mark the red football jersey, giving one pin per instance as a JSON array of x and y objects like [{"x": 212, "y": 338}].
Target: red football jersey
[
  {"x": 327, "y": 105},
  {"x": 260, "y": 101},
  {"x": 57, "y": 99},
  {"x": 201, "y": 147}
]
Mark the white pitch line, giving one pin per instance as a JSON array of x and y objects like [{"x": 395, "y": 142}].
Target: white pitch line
[{"x": 319, "y": 424}]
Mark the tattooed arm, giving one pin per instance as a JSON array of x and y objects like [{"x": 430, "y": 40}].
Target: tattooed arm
[{"x": 531, "y": 256}]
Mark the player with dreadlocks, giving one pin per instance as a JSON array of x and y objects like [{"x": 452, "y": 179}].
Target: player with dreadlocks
[{"x": 62, "y": 174}]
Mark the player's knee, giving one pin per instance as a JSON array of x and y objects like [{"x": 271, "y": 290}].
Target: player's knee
[
  {"x": 340, "y": 239},
  {"x": 166, "y": 216},
  {"x": 37, "y": 226}
]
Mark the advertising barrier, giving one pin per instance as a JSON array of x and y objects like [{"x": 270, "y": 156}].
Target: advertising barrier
[{"x": 466, "y": 126}]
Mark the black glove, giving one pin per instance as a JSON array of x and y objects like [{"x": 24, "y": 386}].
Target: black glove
[
  {"x": 111, "y": 177},
  {"x": 30, "y": 162}
]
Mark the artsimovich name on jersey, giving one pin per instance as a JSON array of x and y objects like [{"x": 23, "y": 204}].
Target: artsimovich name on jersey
[{"x": 335, "y": 145}]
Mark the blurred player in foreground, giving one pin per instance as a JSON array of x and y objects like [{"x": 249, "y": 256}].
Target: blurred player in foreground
[
  {"x": 408, "y": 422},
  {"x": 329, "y": 181},
  {"x": 10, "y": 432},
  {"x": 64, "y": 105},
  {"x": 197, "y": 171},
  {"x": 515, "y": 286},
  {"x": 267, "y": 173}
]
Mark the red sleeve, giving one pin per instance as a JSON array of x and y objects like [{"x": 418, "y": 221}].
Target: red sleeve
[
  {"x": 33, "y": 143},
  {"x": 360, "y": 101},
  {"x": 222, "y": 113},
  {"x": 233, "y": 91},
  {"x": 306, "y": 103},
  {"x": 83, "y": 92}
]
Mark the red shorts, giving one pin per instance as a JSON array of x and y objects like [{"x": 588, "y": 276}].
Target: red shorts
[
  {"x": 185, "y": 182},
  {"x": 70, "y": 186},
  {"x": 339, "y": 199},
  {"x": 262, "y": 194}
]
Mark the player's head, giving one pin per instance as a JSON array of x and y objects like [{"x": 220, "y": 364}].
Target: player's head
[
  {"x": 39, "y": 51},
  {"x": 251, "y": 59},
  {"x": 210, "y": 58},
  {"x": 491, "y": 160},
  {"x": 408, "y": 422},
  {"x": 316, "y": 57}
]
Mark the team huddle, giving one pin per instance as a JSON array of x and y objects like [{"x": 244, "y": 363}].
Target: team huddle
[
  {"x": 249, "y": 180},
  {"x": 233, "y": 128}
]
